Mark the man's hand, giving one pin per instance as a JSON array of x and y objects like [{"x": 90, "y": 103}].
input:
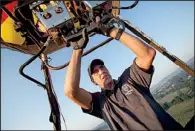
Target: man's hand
[
  {"x": 81, "y": 42},
  {"x": 107, "y": 28},
  {"x": 104, "y": 26}
]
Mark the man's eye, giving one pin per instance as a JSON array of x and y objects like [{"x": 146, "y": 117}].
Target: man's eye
[
  {"x": 95, "y": 71},
  {"x": 101, "y": 67}
]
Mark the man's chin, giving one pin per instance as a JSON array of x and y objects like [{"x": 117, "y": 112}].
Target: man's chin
[{"x": 108, "y": 83}]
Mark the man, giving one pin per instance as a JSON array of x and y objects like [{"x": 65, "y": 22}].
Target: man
[{"x": 126, "y": 103}]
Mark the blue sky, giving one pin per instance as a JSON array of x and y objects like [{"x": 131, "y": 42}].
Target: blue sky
[{"x": 25, "y": 106}]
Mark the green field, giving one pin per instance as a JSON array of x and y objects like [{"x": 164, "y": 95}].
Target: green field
[
  {"x": 168, "y": 97},
  {"x": 182, "y": 112}
]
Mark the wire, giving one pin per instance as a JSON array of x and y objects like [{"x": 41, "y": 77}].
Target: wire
[
  {"x": 27, "y": 63},
  {"x": 59, "y": 106},
  {"x": 127, "y": 7},
  {"x": 54, "y": 93}
]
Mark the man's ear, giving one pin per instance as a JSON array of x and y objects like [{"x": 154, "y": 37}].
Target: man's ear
[{"x": 93, "y": 81}]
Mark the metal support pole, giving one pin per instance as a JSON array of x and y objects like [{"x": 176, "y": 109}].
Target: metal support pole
[
  {"x": 161, "y": 49},
  {"x": 55, "y": 112},
  {"x": 84, "y": 54}
]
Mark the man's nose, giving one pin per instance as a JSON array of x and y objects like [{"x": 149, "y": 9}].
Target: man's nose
[{"x": 100, "y": 71}]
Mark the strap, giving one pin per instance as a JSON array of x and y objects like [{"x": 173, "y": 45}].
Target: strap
[{"x": 119, "y": 33}]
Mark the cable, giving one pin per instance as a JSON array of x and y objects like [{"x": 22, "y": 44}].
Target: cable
[
  {"x": 30, "y": 61},
  {"x": 127, "y": 7},
  {"x": 84, "y": 54}
]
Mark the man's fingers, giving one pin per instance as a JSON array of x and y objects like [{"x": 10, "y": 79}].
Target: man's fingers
[
  {"x": 80, "y": 42},
  {"x": 85, "y": 34}
]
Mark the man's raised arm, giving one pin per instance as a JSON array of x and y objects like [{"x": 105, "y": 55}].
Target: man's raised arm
[
  {"x": 144, "y": 53},
  {"x": 72, "y": 80}
]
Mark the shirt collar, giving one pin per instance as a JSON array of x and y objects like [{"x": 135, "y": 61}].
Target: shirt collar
[{"x": 110, "y": 92}]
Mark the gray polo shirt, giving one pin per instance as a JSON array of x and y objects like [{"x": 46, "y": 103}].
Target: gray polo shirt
[{"x": 130, "y": 106}]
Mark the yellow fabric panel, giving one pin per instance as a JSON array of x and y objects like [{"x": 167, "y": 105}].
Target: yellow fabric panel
[
  {"x": 8, "y": 33},
  {"x": 34, "y": 18}
]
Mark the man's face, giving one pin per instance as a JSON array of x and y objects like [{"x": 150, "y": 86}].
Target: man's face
[{"x": 101, "y": 76}]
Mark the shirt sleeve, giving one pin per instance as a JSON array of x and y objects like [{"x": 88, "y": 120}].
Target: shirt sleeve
[
  {"x": 95, "y": 106},
  {"x": 136, "y": 74},
  {"x": 140, "y": 76}
]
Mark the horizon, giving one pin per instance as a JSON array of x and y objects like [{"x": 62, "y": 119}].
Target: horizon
[{"x": 153, "y": 87}]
